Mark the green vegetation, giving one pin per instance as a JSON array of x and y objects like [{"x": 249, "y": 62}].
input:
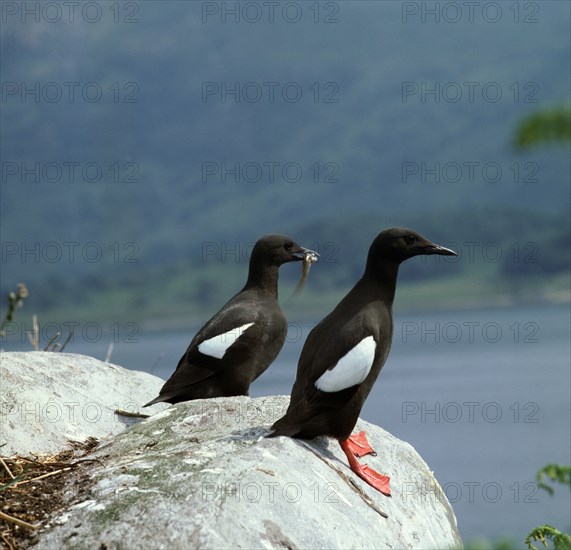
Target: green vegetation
[
  {"x": 561, "y": 541},
  {"x": 543, "y": 533},
  {"x": 503, "y": 543},
  {"x": 546, "y": 126},
  {"x": 556, "y": 473},
  {"x": 506, "y": 257}
]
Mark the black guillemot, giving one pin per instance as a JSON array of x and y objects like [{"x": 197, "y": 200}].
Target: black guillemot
[
  {"x": 344, "y": 354},
  {"x": 241, "y": 341}
]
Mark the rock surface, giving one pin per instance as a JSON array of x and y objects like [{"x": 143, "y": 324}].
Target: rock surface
[
  {"x": 49, "y": 399},
  {"x": 201, "y": 475}
]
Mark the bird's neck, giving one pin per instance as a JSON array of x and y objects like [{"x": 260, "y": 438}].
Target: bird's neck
[
  {"x": 264, "y": 277},
  {"x": 382, "y": 281}
]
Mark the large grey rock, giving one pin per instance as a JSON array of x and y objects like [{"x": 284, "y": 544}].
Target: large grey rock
[
  {"x": 48, "y": 399},
  {"x": 201, "y": 475}
]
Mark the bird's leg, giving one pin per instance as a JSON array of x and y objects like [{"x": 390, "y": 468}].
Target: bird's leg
[
  {"x": 359, "y": 445},
  {"x": 373, "y": 478}
]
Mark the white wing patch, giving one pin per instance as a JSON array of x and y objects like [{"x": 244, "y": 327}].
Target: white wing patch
[
  {"x": 351, "y": 369},
  {"x": 217, "y": 345}
]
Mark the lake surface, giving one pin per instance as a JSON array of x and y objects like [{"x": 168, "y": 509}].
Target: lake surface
[{"x": 483, "y": 396}]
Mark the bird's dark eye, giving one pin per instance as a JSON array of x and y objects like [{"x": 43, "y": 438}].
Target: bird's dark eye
[
  {"x": 410, "y": 239},
  {"x": 288, "y": 246}
]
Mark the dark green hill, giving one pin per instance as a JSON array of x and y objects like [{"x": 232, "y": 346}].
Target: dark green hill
[{"x": 365, "y": 149}]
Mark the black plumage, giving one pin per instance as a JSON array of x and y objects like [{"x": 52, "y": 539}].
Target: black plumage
[
  {"x": 355, "y": 339},
  {"x": 241, "y": 341}
]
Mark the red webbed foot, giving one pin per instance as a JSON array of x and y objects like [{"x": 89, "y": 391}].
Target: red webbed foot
[
  {"x": 359, "y": 445},
  {"x": 370, "y": 476}
]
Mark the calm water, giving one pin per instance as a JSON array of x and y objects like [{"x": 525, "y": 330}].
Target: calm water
[{"x": 484, "y": 397}]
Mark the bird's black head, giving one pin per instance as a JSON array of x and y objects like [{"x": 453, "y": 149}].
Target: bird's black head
[
  {"x": 399, "y": 244},
  {"x": 277, "y": 250}
]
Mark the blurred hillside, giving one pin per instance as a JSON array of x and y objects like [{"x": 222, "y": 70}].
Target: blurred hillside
[{"x": 156, "y": 227}]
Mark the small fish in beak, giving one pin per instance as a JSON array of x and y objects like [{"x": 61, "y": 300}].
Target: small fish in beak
[{"x": 309, "y": 257}]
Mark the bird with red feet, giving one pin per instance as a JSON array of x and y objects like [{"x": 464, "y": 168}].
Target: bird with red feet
[{"x": 344, "y": 354}]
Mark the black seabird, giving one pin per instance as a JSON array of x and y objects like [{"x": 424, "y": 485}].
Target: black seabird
[
  {"x": 345, "y": 352},
  {"x": 241, "y": 341}
]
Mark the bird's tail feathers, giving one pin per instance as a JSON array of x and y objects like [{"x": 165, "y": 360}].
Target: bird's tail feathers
[
  {"x": 284, "y": 427},
  {"x": 159, "y": 399}
]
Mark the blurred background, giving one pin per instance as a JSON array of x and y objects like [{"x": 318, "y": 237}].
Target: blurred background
[{"x": 146, "y": 145}]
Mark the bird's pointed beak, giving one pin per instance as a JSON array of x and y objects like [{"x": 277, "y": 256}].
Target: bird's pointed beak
[
  {"x": 433, "y": 248},
  {"x": 306, "y": 254}
]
